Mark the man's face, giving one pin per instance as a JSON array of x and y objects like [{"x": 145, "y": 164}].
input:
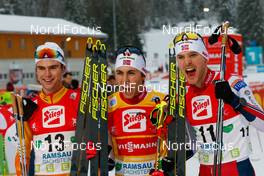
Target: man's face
[
  {"x": 68, "y": 79},
  {"x": 131, "y": 78},
  {"x": 194, "y": 66},
  {"x": 49, "y": 74}
]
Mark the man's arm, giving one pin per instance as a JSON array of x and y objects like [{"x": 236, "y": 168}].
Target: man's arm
[{"x": 237, "y": 93}]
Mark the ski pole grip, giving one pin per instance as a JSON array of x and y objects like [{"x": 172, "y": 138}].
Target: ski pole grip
[
  {"x": 14, "y": 103},
  {"x": 20, "y": 105},
  {"x": 224, "y": 31}
]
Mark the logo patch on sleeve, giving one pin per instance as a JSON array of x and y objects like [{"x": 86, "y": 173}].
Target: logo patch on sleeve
[
  {"x": 112, "y": 102},
  {"x": 239, "y": 85}
]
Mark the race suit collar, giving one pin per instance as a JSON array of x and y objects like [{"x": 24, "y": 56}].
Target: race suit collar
[
  {"x": 134, "y": 100},
  {"x": 54, "y": 97},
  {"x": 208, "y": 79}
]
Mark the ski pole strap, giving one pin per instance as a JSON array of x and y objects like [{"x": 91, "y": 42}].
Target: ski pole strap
[{"x": 158, "y": 115}]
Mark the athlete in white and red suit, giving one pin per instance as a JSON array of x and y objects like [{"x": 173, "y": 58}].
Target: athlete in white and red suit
[
  {"x": 131, "y": 134},
  {"x": 202, "y": 105},
  {"x": 50, "y": 130}
]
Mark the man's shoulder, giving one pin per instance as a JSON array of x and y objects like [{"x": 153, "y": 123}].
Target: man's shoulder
[
  {"x": 73, "y": 94},
  {"x": 113, "y": 100},
  {"x": 152, "y": 94},
  {"x": 237, "y": 82}
]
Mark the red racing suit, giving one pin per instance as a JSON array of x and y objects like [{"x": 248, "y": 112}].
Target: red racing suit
[
  {"x": 202, "y": 107},
  {"x": 50, "y": 132},
  {"x": 8, "y": 137},
  {"x": 131, "y": 133}
]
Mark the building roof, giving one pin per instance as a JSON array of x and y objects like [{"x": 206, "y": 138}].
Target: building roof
[{"x": 46, "y": 25}]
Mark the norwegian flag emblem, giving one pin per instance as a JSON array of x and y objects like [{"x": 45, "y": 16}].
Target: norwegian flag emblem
[
  {"x": 126, "y": 62},
  {"x": 127, "y": 53},
  {"x": 185, "y": 47}
]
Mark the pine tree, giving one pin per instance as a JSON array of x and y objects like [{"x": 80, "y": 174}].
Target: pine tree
[
  {"x": 227, "y": 11},
  {"x": 76, "y": 11},
  {"x": 250, "y": 21},
  {"x": 196, "y": 12}
]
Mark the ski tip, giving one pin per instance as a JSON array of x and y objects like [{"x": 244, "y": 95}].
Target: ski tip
[
  {"x": 89, "y": 43},
  {"x": 89, "y": 40},
  {"x": 102, "y": 47},
  {"x": 171, "y": 45},
  {"x": 94, "y": 48},
  {"x": 98, "y": 42}
]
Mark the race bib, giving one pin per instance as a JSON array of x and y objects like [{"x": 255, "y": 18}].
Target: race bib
[{"x": 53, "y": 152}]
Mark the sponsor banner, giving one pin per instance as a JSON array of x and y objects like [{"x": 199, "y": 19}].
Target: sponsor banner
[
  {"x": 260, "y": 68},
  {"x": 253, "y": 55},
  {"x": 234, "y": 63},
  {"x": 258, "y": 91}
]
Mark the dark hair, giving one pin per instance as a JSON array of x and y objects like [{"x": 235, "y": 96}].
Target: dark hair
[
  {"x": 10, "y": 87},
  {"x": 66, "y": 74},
  {"x": 131, "y": 49},
  {"x": 111, "y": 77},
  {"x": 75, "y": 84}
]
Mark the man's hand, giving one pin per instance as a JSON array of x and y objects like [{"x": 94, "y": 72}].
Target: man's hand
[
  {"x": 90, "y": 150},
  {"x": 223, "y": 91}
]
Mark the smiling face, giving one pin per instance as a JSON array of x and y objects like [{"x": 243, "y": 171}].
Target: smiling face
[
  {"x": 194, "y": 66},
  {"x": 49, "y": 74},
  {"x": 132, "y": 77}
]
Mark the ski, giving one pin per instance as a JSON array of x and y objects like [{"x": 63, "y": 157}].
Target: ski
[
  {"x": 177, "y": 127},
  {"x": 172, "y": 107},
  {"x": 180, "y": 124},
  {"x": 92, "y": 115},
  {"x": 103, "y": 132},
  {"x": 83, "y": 111}
]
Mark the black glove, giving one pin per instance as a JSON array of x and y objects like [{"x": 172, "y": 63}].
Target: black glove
[
  {"x": 28, "y": 107},
  {"x": 223, "y": 91},
  {"x": 111, "y": 162},
  {"x": 167, "y": 164}
]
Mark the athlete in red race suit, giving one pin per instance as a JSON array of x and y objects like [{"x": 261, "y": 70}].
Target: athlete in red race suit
[
  {"x": 131, "y": 134},
  {"x": 202, "y": 105},
  {"x": 50, "y": 130},
  {"x": 9, "y": 138}
]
